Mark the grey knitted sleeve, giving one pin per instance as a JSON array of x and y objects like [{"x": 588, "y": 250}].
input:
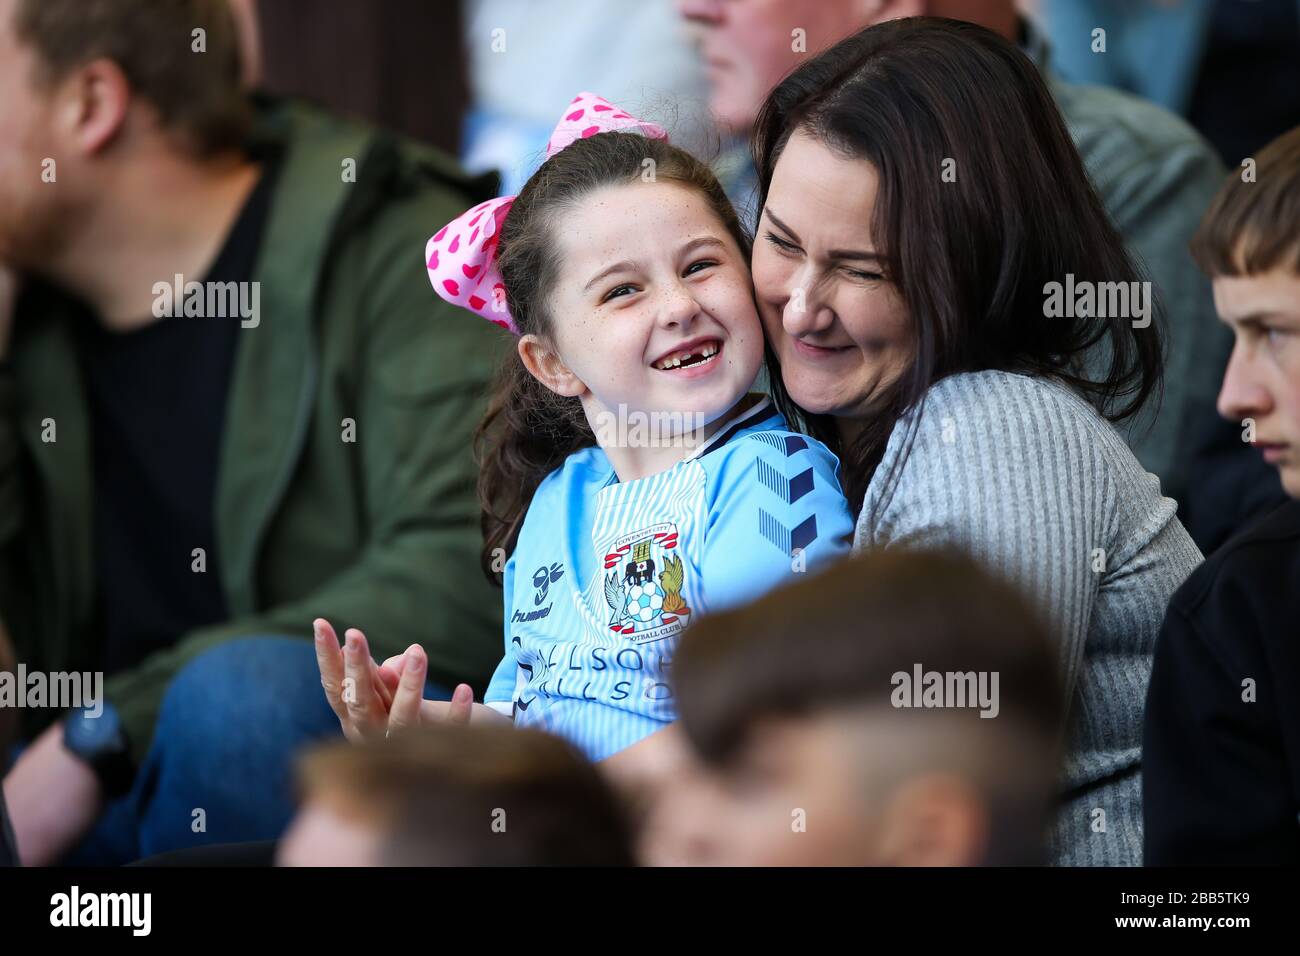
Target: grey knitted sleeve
[{"x": 1027, "y": 478}]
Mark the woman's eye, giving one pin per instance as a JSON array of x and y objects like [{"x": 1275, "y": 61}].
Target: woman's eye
[
  {"x": 781, "y": 243},
  {"x": 695, "y": 267},
  {"x": 864, "y": 276}
]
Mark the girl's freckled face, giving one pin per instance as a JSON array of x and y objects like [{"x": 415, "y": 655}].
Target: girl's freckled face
[{"x": 653, "y": 308}]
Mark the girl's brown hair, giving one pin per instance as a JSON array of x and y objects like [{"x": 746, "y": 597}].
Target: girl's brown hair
[{"x": 529, "y": 430}]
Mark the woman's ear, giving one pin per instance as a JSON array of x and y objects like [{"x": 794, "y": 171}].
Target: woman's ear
[{"x": 545, "y": 365}]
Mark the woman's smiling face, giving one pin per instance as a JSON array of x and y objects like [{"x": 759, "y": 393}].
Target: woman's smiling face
[{"x": 837, "y": 324}]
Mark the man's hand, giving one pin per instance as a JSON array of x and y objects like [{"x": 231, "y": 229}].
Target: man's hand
[{"x": 54, "y": 799}]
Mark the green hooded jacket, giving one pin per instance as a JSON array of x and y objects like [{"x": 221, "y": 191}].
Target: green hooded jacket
[{"x": 379, "y": 532}]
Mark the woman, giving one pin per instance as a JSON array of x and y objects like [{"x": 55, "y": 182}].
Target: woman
[{"x": 927, "y": 265}]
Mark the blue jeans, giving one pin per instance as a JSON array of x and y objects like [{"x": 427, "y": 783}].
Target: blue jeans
[{"x": 230, "y": 726}]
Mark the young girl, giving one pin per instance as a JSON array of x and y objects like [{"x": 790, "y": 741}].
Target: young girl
[{"x": 628, "y": 473}]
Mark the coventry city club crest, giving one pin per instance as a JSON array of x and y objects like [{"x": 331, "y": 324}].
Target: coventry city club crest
[{"x": 643, "y": 585}]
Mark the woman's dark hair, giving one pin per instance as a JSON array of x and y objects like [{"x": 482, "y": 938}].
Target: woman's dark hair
[
  {"x": 970, "y": 257},
  {"x": 529, "y": 430}
]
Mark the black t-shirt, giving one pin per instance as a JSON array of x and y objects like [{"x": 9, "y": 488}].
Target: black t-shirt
[{"x": 157, "y": 399}]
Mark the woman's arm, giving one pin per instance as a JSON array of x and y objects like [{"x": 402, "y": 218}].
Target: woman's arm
[
  {"x": 647, "y": 759},
  {"x": 640, "y": 773},
  {"x": 1016, "y": 474}
]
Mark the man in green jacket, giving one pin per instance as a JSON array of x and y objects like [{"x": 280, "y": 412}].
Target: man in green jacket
[{"x": 229, "y": 404}]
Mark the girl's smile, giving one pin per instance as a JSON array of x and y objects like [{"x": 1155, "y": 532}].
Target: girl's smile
[{"x": 692, "y": 359}]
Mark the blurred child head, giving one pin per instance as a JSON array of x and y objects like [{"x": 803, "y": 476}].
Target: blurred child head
[
  {"x": 1249, "y": 244},
  {"x": 620, "y": 257},
  {"x": 794, "y": 706},
  {"x": 455, "y": 795}
]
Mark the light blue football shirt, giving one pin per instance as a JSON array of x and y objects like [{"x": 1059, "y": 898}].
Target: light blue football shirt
[{"x": 607, "y": 574}]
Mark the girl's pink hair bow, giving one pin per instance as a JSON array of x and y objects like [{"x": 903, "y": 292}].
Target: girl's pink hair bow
[{"x": 461, "y": 256}]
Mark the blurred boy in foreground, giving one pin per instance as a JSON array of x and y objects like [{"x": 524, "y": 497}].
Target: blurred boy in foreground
[
  {"x": 455, "y": 795},
  {"x": 899, "y": 709}
]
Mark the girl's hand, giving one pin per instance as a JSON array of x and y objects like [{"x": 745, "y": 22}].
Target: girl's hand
[
  {"x": 372, "y": 700},
  {"x": 359, "y": 691}
]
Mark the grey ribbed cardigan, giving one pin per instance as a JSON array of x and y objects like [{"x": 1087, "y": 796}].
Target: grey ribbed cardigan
[{"x": 1027, "y": 477}]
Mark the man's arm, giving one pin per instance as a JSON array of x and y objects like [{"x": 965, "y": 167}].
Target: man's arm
[{"x": 53, "y": 799}]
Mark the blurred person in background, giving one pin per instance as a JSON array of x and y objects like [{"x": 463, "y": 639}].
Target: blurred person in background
[
  {"x": 526, "y": 57},
  {"x": 367, "y": 60},
  {"x": 816, "y": 744},
  {"x": 1154, "y": 174},
  {"x": 186, "y": 485},
  {"x": 1231, "y": 67}
]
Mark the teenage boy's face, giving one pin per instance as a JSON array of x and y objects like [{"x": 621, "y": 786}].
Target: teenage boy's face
[{"x": 1261, "y": 389}]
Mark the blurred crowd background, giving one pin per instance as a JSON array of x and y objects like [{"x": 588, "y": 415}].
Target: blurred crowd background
[
  {"x": 1230, "y": 67},
  {"x": 390, "y": 541}
]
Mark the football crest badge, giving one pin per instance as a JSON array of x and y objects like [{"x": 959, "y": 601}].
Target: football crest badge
[{"x": 644, "y": 577}]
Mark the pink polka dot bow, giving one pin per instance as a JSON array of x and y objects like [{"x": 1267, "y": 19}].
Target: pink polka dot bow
[{"x": 461, "y": 257}]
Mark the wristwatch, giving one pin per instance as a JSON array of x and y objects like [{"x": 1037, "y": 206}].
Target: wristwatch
[{"x": 100, "y": 741}]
